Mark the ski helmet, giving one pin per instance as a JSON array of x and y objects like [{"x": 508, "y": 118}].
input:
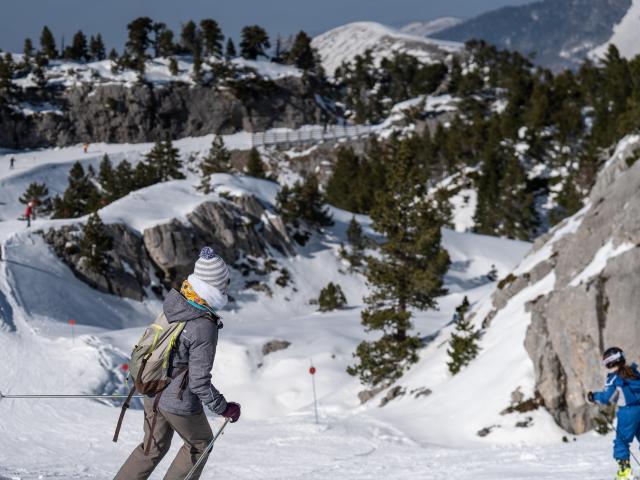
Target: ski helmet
[{"x": 613, "y": 357}]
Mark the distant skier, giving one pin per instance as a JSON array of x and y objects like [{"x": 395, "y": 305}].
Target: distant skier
[
  {"x": 622, "y": 387},
  {"x": 28, "y": 212},
  {"x": 12, "y": 162},
  {"x": 202, "y": 295},
  {"x": 85, "y": 147}
]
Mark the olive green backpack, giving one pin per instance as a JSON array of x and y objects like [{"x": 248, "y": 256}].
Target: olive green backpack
[{"x": 150, "y": 364}]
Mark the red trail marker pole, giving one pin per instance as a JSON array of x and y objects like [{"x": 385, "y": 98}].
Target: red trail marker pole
[
  {"x": 312, "y": 372},
  {"x": 73, "y": 334}
]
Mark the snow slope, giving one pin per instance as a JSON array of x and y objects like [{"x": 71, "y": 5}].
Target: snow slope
[
  {"x": 625, "y": 35},
  {"x": 411, "y": 437},
  {"x": 344, "y": 43},
  {"x": 428, "y": 28}
]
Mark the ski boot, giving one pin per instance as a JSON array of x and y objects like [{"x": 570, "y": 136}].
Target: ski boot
[{"x": 624, "y": 470}]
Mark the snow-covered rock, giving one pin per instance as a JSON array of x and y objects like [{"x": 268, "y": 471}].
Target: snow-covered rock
[{"x": 592, "y": 303}]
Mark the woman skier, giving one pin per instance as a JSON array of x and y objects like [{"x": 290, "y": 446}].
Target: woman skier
[
  {"x": 622, "y": 387},
  {"x": 179, "y": 409}
]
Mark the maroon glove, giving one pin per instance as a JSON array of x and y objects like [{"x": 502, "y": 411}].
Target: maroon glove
[{"x": 232, "y": 411}]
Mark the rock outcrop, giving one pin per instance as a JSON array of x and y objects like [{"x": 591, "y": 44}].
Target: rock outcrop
[
  {"x": 140, "y": 113},
  {"x": 242, "y": 228},
  {"x": 148, "y": 264},
  {"x": 595, "y": 257}
]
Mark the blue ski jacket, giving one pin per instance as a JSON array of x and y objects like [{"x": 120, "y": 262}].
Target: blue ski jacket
[{"x": 618, "y": 390}]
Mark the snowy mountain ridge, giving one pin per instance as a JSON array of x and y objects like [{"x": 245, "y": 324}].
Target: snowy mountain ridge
[
  {"x": 558, "y": 33},
  {"x": 343, "y": 44}
]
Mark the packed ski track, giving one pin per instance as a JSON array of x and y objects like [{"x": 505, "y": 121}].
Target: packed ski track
[{"x": 428, "y": 437}]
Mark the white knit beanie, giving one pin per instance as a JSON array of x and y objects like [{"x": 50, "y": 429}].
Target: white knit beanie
[{"x": 210, "y": 278}]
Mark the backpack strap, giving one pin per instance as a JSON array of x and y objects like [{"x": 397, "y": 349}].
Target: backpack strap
[
  {"x": 125, "y": 406},
  {"x": 147, "y": 448},
  {"x": 127, "y": 402}
]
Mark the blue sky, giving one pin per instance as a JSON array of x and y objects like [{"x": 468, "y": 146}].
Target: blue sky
[{"x": 25, "y": 18}]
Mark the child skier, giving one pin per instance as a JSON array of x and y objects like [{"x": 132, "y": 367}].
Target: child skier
[{"x": 622, "y": 387}]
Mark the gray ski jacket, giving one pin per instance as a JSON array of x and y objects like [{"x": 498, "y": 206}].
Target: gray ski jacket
[{"x": 196, "y": 351}]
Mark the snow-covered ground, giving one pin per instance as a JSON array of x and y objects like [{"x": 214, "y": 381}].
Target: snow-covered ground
[{"x": 414, "y": 436}]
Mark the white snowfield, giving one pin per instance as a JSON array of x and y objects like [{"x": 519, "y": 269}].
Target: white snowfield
[
  {"x": 346, "y": 42},
  {"x": 625, "y": 35},
  {"x": 428, "y": 436}
]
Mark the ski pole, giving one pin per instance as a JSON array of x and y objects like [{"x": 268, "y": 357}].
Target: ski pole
[
  {"x": 3, "y": 396},
  {"x": 207, "y": 451}
]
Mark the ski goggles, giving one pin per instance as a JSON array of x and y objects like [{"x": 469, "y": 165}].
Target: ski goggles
[{"x": 613, "y": 359}]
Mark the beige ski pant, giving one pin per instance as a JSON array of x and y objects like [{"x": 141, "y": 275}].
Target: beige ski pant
[{"x": 193, "y": 429}]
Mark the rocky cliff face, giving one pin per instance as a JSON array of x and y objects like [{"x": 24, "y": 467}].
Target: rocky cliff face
[
  {"x": 595, "y": 257},
  {"x": 140, "y": 113},
  {"x": 143, "y": 265}
]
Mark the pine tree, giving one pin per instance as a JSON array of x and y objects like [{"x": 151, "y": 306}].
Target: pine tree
[
  {"x": 38, "y": 193},
  {"x": 340, "y": 187},
  {"x": 97, "y": 50},
  {"x": 331, "y": 298},
  {"x": 230, "y": 50},
  {"x": 254, "y": 43},
  {"x": 463, "y": 346},
  {"x": 113, "y": 55},
  {"x": 80, "y": 197},
  {"x": 487, "y": 217},
  {"x": 48, "y": 44},
  {"x": 95, "y": 244},
  {"x": 302, "y": 54},
  {"x": 125, "y": 180},
  {"x": 255, "y": 165},
  {"x": 173, "y": 67},
  {"x": 357, "y": 245},
  {"x": 197, "y": 67},
  {"x": 407, "y": 274},
  {"x": 355, "y": 236},
  {"x": 216, "y": 161},
  {"x": 163, "y": 162},
  {"x": 107, "y": 179},
  {"x": 78, "y": 50},
  {"x": 303, "y": 203},
  {"x": 8, "y": 89},
  {"x": 164, "y": 44},
  {"x": 212, "y": 37},
  {"x": 517, "y": 207},
  {"x": 28, "y": 49},
  {"x": 280, "y": 54},
  {"x": 138, "y": 42},
  {"x": 190, "y": 41},
  {"x": 38, "y": 72},
  {"x": 158, "y": 29}
]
